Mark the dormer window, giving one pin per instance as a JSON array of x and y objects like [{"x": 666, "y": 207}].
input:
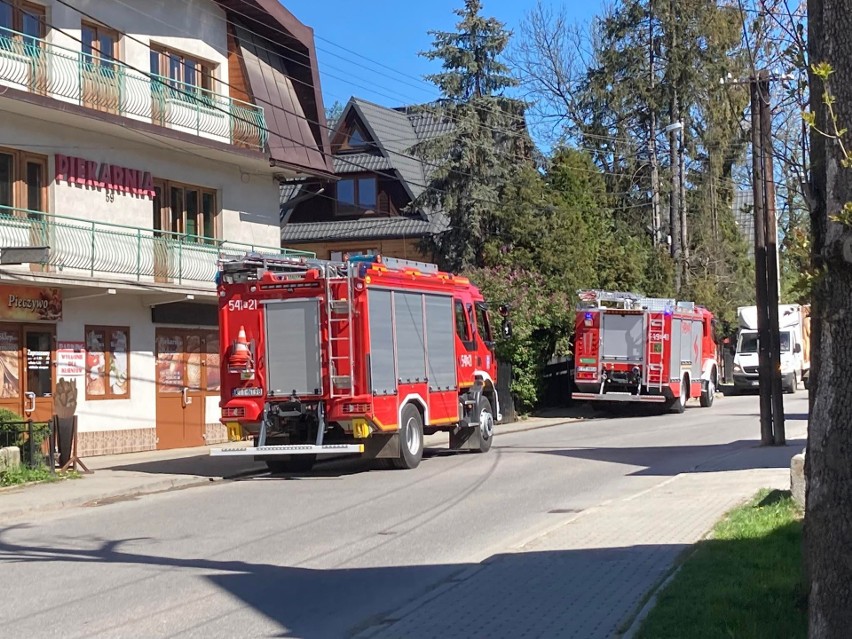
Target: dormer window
[{"x": 356, "y": 138}]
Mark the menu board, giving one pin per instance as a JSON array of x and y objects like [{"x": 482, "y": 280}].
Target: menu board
[{"x": 38, "y": 360}]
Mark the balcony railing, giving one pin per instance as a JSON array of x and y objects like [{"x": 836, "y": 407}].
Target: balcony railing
[
  {"x": 103, "y": 250},
  {"x": 35, "y": 65}
]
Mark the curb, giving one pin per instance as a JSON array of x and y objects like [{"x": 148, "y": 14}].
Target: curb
[{"x": 161, "y": 486}]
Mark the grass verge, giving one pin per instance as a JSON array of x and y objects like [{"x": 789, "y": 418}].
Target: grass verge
[
  {"x": 745, "y": 581},
  {"x": 23, "y": 475}
]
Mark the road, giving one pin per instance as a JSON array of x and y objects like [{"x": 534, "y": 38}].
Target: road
[{"x": 326, "y": 555}]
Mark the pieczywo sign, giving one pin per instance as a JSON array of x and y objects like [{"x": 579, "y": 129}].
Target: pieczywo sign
[
  {"x": 101, "y": 175},
  {"x": 30, "y": 303}
]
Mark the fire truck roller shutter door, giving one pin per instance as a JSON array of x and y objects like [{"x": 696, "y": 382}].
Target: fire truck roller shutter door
[
  {"x": 440, "y": 342},
  {"x": 382, "y": 357},
  {"x": 410, "y": 337},
  {"x": 622, "y": 337},
  {"x": 697, "y": 357},
  {"x": 293, "y": 355},
  {"x": 674, "y": 352}
]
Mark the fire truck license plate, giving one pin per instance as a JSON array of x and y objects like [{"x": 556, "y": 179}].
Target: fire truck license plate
[{"x": 246, "y": 392}]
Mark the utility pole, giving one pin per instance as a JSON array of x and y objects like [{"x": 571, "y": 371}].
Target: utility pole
[
  {"x": 757, "y": 167},
  {"x": 684, "y": 237},
  {"x": 674, "y": 200},
  {"x": 652, "y": 134},
  {"x": 771, "y": 234}
]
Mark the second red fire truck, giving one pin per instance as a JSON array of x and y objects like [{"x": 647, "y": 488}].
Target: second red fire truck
[
  {"x": 363, "y": 356},
  {"x": 630, "y": 348}
]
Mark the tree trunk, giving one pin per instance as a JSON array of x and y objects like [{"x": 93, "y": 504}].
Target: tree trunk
[{"x": 828, "y": 519}]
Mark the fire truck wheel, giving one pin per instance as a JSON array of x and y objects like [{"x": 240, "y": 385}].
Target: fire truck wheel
[
  {"x": 708, "y": 393},
  {"x": 410, "y": 439},
  {"x": 678, "y": 404},
  {"x": 486, "y": 426},
  {"x": 296, "y": 464}
]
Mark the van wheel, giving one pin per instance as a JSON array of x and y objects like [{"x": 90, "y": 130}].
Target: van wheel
[
  {"x": 296, "y": 464},
  {"x": 791, "y": 383},
  {"x": 678, "y": 404},
  {"x": 486, "y": 426},
  {"x": 410, "y": 439},
  {"x": 708, "y": 393}
]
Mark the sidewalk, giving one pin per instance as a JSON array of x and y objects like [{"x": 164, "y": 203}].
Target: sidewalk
[
  {"x": 589, "y": 577},
  {"x": 118, "y": 477}
]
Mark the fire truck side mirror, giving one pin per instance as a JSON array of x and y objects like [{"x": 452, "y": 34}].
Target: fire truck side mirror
[
  {"x": 507, "y": 328},
  {"x": 503, "y": 309}
]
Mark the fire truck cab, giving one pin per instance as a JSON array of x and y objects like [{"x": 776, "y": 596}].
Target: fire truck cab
[
  {"x": 630, "y": 348},
  {"x": 363, "y": 356}
]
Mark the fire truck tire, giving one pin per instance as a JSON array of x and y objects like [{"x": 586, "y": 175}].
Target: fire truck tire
[
  {"x": 410, "y": 439},
  {"x": 296, "y": 464},
  {"x": 678, "y": 404},
  {"x": 708, "y": 393},
  {"x": 486, "y": 426}
]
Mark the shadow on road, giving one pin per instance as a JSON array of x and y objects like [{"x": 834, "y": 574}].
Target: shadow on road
[{"x": 673, "y": 460}]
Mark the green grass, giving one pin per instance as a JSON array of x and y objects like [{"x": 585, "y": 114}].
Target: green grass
[
  {"x": 744, "y": 582},
  {"x": 24, "y": 475}
]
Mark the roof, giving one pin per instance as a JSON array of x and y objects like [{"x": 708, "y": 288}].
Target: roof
[
  {"x": 396, "y": 137},
  {"x": 358, "y": 162},
  {"x": 366, "y": 227},
  {"x": 279, "y": 57}
]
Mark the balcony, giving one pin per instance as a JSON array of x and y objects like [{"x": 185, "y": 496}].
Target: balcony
[
  {"x": 100, "y": 250},
  {"x": 36, "y": 66}
]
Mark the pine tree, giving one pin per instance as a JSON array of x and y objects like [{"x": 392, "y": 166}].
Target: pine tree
[{"x": 488, "y": 136}]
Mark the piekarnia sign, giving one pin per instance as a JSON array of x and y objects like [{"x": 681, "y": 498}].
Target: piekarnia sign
[{"x": 100, "y": 175}]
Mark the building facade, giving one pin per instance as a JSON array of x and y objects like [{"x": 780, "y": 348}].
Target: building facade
[
  {"x": 140, "y": 142},
  {"x": 374, "y": 205}
]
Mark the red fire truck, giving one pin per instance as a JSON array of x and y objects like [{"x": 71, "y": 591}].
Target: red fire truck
[
  {"x": 629, "y": 348},
  {"x": 363, "y": 356}
]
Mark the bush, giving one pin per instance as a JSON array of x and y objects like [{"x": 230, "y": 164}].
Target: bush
[{"x": 14, "y": 430}]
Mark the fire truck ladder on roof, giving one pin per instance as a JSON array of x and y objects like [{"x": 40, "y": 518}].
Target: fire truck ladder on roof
[
  {"x": 339, "y": 314},
  {"x": 655, "y": 355}
]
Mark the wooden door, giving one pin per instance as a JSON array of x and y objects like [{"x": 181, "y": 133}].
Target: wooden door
[
  {"x": 38, "y": 372},
  {"x": 180, "y": 388}
]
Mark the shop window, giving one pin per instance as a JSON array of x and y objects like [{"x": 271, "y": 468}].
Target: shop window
[
  {"x": 10, "y": 364},
  {"x": 356, "y": 195},
  {"x": 107, "y": 362},
  {"x": 186, "y": 212}
]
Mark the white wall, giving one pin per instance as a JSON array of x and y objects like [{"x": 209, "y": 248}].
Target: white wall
[
  {"x": 140, "y": 411},
  {"x": 248, "y": 202}
]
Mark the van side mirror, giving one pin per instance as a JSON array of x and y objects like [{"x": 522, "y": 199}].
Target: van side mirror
[{"x": 797, "y": 348}]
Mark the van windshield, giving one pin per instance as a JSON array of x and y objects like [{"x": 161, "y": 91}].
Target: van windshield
[{"x": 749, "y": 341}]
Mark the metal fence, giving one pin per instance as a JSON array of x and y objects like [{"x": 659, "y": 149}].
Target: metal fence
[
  {"x": 32, "y": 438},
  {"x": 90, "y": 248},
  {"x": 104, "y": 84}
]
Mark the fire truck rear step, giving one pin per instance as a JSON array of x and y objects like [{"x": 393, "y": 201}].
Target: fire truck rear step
[
  {"x": 617, "y": 397},
  {"x": 288, "y": 449}
]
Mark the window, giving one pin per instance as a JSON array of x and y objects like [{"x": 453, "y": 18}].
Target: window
[
  {"x": 107, "y": 362},
  {"x": 100, "y": 46},
  {"x": 23, "y": 17},
  {"x": 188, "y": 77},
  {"x": 23, "y": 182},
  {"x": 188, "y": 211},
  {"x": 483, "y": 326},
  {"x": 340, "y": 256},
  {"x": 356, "y": 195},
  {"x": 462, "y": 327}
]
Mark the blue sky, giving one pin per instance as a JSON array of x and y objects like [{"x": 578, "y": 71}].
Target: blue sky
[{"x": 390, "y": 34}]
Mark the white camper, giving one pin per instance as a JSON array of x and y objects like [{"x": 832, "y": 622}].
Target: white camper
[{"x": 795, "y": 328}]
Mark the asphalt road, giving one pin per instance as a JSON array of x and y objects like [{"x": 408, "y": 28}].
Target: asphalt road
[{"x": 323, "y": 556}]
